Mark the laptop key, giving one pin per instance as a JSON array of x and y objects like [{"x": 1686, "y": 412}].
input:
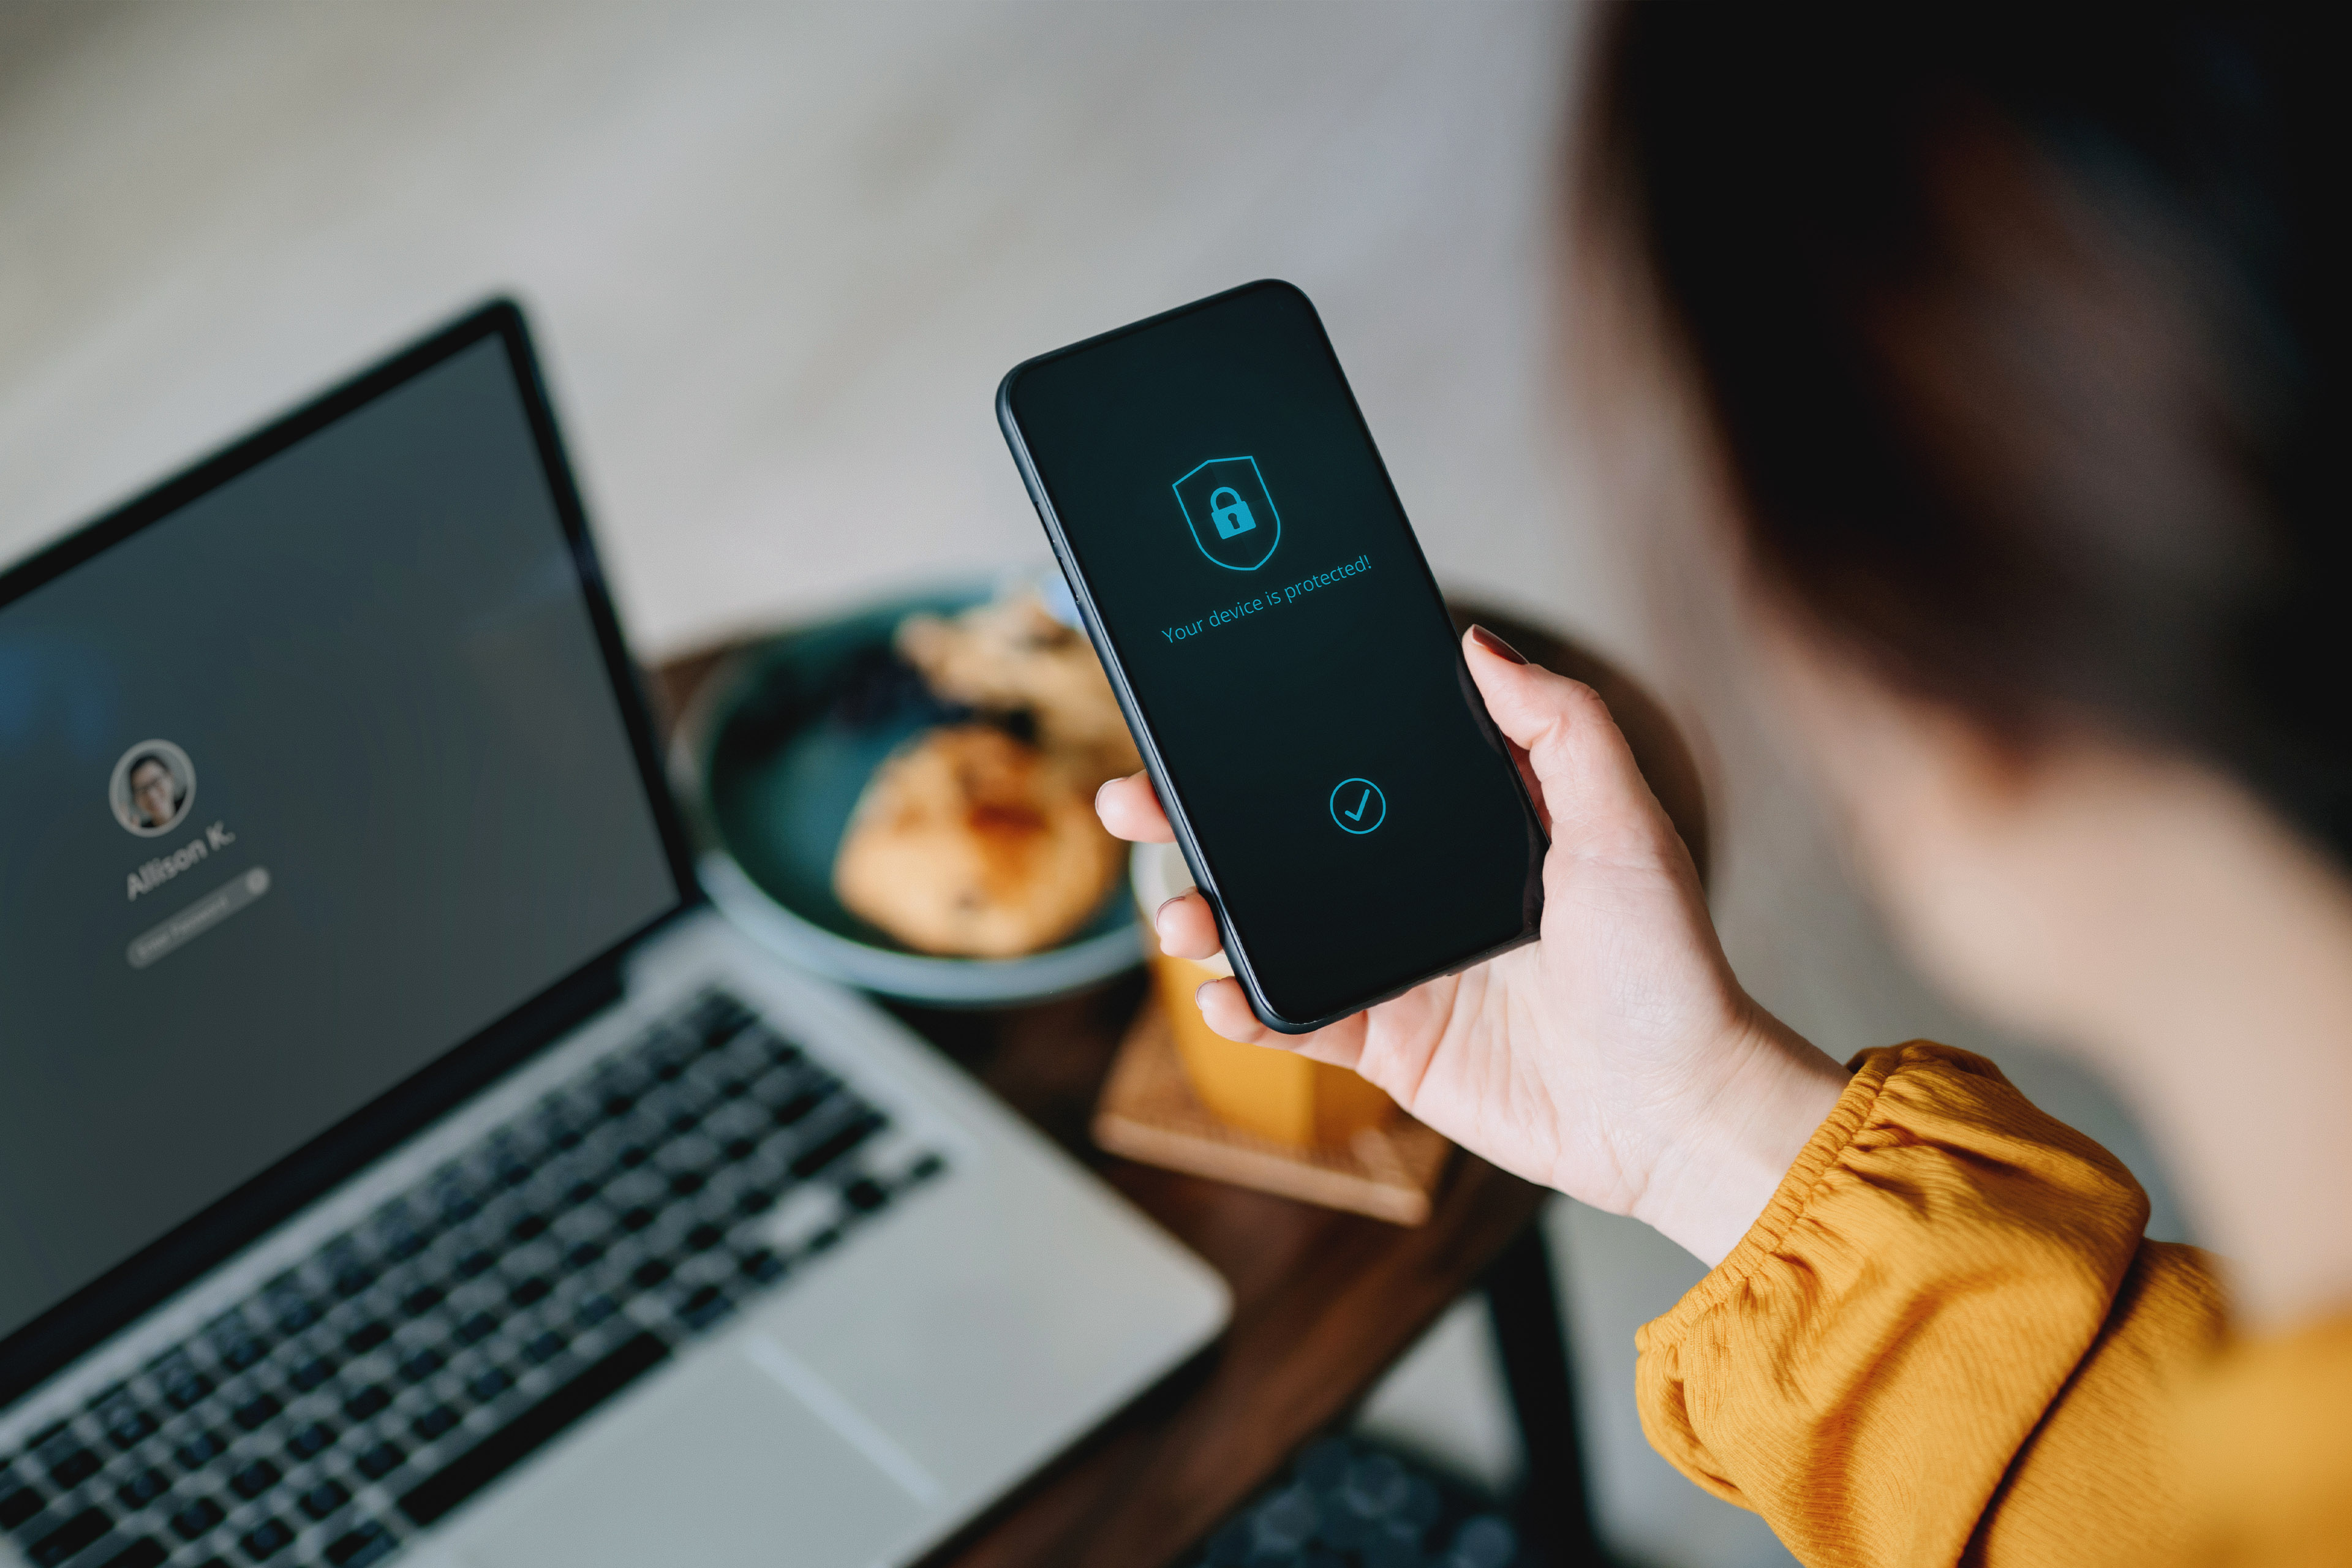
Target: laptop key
[
  {"x": 324, "y": 1499},
  {"x": 126, "y": 1422},
  {"x": 76, "y": 1534},
  {"x": 368, "y": 1401},
  {"x": 791, "y": 1111},
  {"x": 233, "y": 1340},
  {"x": 379, "y": 1460},
  {"x": 199, "y": 1448},
  {"x": 489, "y": 1383},
  {"x": 256, "y": 1411},
  {"x": 435, "y": 1424},
  {"x": 144, "y": 1552},
  {"x": 399, "y": 1232},
  {"x": 289, "y": 1305},
  {"x": 855, "y": 1131},
  {"x": 73, "y": 1465},
  {"x": 371, "y": 1542},
  {"x": 184, "y": 1386},
  {"x": 454, "y": 1201},
  {"x": 196, "y": 1519},
  {"x": 418, "y": 1365},
  {"x": 18, "y": 1501},
  {"x": 254, "y": 1479},
  {"x": 142, "y": 1487},
  {"x": 351, "y": 1274},
  {"x": 367, "y": 1336},
  {"x": 705, "y": 1307},
  {"x": 311, "y": 1373},
  {"x": 310, "y": 1440},
  {"x": 267, "y": 1540}
]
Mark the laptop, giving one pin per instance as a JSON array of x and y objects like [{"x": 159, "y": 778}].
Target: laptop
[{"x": 399, "y": 1159}]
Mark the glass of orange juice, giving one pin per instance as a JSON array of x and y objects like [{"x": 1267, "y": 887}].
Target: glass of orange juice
[{"x": 1272, "y": 1092}]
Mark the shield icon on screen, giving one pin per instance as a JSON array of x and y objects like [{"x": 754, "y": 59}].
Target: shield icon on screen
[{"x": 1226, "y": 505}]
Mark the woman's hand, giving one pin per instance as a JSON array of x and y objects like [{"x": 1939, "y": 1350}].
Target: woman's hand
[{"x": 1617, "y": 1060}]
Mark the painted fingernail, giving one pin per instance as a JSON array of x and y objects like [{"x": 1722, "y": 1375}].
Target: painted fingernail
[{"x": 1495, "y": 645}]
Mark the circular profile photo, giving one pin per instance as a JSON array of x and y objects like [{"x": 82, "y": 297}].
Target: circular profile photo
[{"x": 152, "y": 788}]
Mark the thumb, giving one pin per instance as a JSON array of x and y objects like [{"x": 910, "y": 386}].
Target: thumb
[{"x": 1585, "y": 770}]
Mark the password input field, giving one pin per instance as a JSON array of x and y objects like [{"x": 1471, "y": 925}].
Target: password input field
[{"x": 184, "y": 927}]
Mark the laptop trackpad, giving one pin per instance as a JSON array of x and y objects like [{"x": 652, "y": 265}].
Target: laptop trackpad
[{"x": 731, "y": 1460}]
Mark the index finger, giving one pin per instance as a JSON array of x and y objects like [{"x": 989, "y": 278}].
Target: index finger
[{"x": 1132, "y": 811}]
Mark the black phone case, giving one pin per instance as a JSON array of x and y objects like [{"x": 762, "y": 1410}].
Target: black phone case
[{"x": 1236, "y": 951}]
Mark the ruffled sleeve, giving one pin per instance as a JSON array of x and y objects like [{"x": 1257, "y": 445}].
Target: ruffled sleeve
[{"x": 1944, "y": 1340}]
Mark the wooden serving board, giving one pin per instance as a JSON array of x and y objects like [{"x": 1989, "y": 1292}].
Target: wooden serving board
[{"x": 1147, "y": 1113}]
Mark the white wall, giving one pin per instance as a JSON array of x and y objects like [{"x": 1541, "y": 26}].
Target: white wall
[{"x": 779, "y": 256}]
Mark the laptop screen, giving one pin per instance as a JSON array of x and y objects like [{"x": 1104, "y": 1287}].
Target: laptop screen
[{"x": 301, "y": 786}]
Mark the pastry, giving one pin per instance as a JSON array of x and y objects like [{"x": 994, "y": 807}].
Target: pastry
[
  {"x": 968, "y": 841},
  {"x": 1012, "y": 655}
]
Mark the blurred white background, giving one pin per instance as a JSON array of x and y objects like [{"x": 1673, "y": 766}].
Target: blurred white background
[{"x": 778, "y": 257}]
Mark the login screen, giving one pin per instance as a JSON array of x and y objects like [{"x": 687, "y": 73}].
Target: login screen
[{"x": 1264, "y": 595}]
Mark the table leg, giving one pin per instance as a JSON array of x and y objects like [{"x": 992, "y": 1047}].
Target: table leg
[{"x": 1531, "y": 1335}]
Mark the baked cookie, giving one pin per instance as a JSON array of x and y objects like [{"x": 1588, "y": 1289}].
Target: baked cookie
[
  {"x": 1012, "y": 655},
  {"x": 968, "y": 841}
]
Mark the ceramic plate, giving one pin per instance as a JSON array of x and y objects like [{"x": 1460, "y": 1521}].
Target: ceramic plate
[{"x": 772, "y": 759}]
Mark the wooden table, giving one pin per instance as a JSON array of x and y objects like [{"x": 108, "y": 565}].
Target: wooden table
[{"x": 1323, "y": 1302}]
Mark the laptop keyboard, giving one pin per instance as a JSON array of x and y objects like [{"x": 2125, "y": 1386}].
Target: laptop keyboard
[{"x": 418, "y": 1356}]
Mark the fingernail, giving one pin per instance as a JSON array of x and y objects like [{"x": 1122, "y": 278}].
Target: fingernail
[
  {"x": 1160, "y": 915},
  {"x": 1495, "y": 645}
]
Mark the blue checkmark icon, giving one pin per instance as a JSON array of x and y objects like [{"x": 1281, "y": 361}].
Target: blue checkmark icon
[{"x": 1357, "y": 806}]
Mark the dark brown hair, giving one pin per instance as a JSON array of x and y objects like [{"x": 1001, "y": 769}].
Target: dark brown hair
[{"x": 2017, "y": 330}]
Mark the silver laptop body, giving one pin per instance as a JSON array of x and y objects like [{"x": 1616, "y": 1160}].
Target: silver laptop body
[{"x": 397, "y": 1159}]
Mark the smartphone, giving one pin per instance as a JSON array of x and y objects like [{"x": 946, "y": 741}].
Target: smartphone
[{"x": 1246, "y": 570}]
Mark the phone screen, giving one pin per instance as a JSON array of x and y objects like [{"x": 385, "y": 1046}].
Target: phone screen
[{"x": 1232, "y": 531}]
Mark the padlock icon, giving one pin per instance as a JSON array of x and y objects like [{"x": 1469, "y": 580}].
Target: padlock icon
[
  {"x": 1229, "y": 512},
  {"x": 1232, "y": 516}
]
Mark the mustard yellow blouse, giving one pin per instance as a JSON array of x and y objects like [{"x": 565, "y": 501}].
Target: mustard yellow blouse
[{"x": 1946, "y": 1340}]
